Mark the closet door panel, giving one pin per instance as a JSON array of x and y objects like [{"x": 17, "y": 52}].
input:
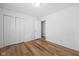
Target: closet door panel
[
  {"x": 1, "y": 31},
  {"x": 9, "y": 30},
  {"x": 20, "y": 29}
]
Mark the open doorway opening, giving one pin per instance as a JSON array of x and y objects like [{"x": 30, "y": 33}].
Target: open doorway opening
[{"x": 43, "y": 29}]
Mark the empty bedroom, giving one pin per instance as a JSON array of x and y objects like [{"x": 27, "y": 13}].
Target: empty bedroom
[{"x": 39, "y": 29}]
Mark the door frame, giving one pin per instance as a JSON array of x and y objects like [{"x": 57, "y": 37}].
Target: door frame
[{"x": 43, "y": 29}]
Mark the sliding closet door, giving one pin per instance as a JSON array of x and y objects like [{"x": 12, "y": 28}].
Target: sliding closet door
[
  {"x": 9, "y": 30},
  {"x": 20, "y": 29},
  {"x": 1, "y": 31}
]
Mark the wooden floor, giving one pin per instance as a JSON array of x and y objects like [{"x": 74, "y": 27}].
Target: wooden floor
[{"x": 37, "y": 48}]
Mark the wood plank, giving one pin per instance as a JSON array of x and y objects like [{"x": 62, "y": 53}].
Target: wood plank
[
  {"x": 33, "y": 49},
  {"x": 24, "y": 50},
  {"x": 42, "y": 50}
]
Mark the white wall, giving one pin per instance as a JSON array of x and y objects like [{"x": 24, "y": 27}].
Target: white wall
[
  {"x": 23, "y": 25},
  {"x": 62, "y": 27},
  {"x": 37, "y": 29}
]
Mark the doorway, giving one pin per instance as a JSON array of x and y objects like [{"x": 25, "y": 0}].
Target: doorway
[{"x": 43, "y": 29}]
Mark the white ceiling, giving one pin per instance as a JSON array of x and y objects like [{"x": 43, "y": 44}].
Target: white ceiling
[{"x": 40, "y": 11}]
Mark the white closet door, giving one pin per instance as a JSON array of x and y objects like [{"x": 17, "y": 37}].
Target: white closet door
[
  {"x": 37, "y": 29},
  {"x": 20, "y": 29},
  {"x": 1, "y": 31},
  {"x": 9, "y": 30}
]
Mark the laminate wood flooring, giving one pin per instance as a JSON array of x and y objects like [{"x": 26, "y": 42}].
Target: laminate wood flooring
[{"x": 38, "y": 47}]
